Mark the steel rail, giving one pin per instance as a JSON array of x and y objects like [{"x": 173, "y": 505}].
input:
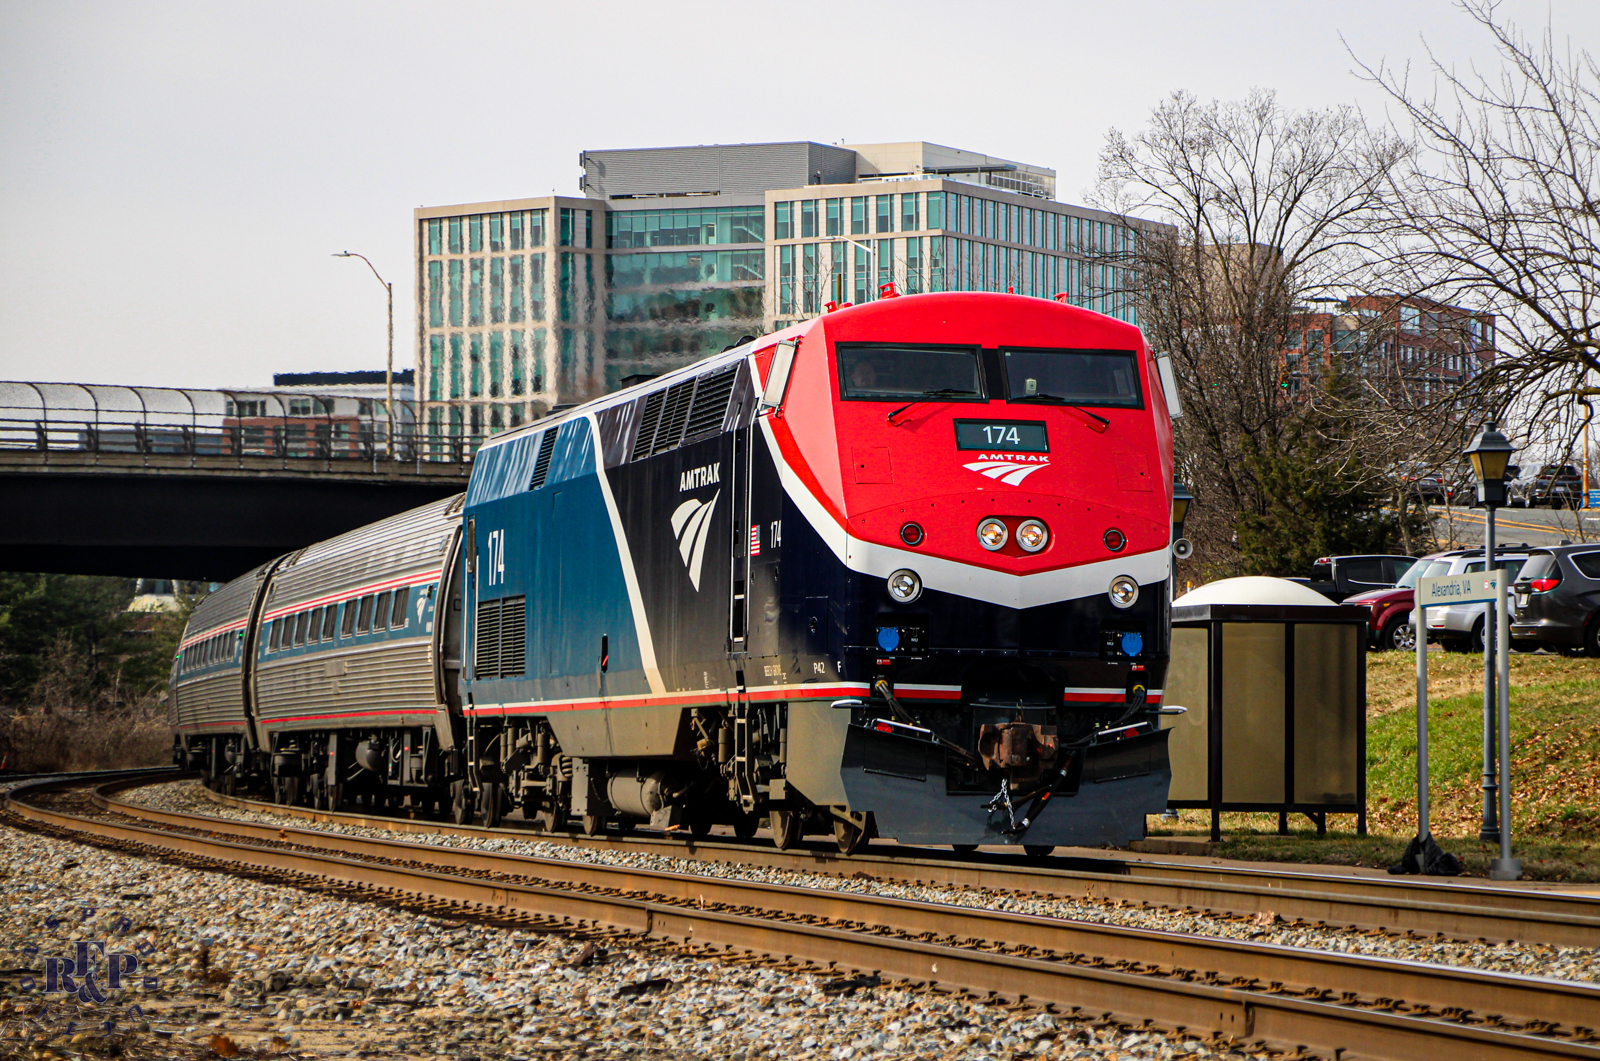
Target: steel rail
[
  {"x": 1299, "y": 1023},
  {"x": 1298, "y": 970},
  {"x": 1453, "y": 910}
]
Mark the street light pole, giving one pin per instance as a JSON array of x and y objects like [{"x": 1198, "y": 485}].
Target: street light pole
[
  {"x": 1489, "y": 453},
  {"x": 388, "y": 372}
]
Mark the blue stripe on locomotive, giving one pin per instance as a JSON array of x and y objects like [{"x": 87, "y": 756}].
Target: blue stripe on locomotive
[{"x": 559, "y": 551}]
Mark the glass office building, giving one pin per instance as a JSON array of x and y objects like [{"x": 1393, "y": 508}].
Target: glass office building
[{"x": 672, "y": 254}]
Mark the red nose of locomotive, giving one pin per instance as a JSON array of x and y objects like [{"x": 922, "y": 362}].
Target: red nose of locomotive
[{"x": 998, "y": 432}]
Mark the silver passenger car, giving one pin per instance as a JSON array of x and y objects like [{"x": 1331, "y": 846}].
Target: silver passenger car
[{"x": 1459, "y": 627}]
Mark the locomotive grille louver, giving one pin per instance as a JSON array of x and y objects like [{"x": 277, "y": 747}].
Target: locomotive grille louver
[
  {"x": 710, "y": 405},
  {"x": 648, "y": 424},
  {"x": 674, "y": 415},
  {"x": 499, "y": 641},
  {"x": 541, "y": 466}
]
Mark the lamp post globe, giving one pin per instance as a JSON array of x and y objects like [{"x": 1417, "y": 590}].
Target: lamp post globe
[{"x": 1490, "y": 452}]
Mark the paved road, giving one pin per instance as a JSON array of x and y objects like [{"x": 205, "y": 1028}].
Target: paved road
[{"x": 1535, "y": 526}]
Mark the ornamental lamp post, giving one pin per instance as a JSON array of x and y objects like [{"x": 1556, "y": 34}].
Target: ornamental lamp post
[{"x": 1490, "y": 453}]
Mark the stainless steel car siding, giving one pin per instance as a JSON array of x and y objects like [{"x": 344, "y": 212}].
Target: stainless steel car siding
[
  {"x": 388, "y": 674},
  {"x": 217, "y": 695}
]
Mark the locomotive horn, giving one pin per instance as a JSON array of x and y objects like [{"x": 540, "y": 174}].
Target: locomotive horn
[{"x": 1183, "y": 548}]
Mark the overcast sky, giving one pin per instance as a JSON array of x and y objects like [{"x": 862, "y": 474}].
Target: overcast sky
[{"x": 175, "y": 176}]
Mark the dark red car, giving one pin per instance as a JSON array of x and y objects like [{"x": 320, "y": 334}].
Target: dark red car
[{"x": 1390, "y": 624}]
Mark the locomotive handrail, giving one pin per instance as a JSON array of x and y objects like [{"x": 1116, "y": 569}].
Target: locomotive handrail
[{"x": 224, "y": 424}]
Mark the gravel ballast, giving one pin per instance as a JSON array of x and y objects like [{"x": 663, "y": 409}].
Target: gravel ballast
[
  {"x": 245, "y": 968},
  {"x": 1566, "y": 963}
]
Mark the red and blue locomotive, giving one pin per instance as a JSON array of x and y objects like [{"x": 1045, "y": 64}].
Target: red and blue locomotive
[{"x": 899, "y": 570}]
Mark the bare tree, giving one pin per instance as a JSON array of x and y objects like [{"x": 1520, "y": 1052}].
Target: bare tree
[
  {"x": 1265, "y": 211},
  {"x": 1500, "y": 205}
]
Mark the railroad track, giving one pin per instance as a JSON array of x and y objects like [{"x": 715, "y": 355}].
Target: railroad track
[
  {"x": 1323, "y": 1003},
  {"x": 1453, "y": 909}
]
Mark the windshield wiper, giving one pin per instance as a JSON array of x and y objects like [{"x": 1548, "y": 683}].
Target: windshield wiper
[
  {"x": 943, "y": 392},
  {"x": 1056, "y": 399}
]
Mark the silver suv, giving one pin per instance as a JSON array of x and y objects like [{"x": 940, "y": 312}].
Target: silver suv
[{"x": 1459, "y": 627}]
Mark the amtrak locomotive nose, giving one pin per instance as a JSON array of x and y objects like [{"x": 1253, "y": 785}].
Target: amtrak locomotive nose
[{"x": 899, "y": 570}]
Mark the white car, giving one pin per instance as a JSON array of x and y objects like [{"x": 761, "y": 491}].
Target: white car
[{"x": 1459, "y": 627}]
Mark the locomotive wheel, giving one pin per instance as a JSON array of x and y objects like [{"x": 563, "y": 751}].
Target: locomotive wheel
[
  {"x": 460, "y": 809},
  {"x": 785, "y": 826},
  {"x": 745, "y": 825},
  {"x": 849, "y": 836},
  {"x": 550, "y": 818},
  {"x": 593, "y": 824},
  {"x": 490, "y": 800},
  {"x": 1037, "y": 850}
]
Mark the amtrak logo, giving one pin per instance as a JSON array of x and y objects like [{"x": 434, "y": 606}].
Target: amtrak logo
[
  {"x": 1009, "y": 468},
  {"x": 691, "y": 525}
]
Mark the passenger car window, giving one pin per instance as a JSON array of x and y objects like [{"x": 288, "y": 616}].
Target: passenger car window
[
  {"x": 330, "y": 621},
  {"x": 380, "y": 612},
  {"x": 401, "y": 615},
  {"x": 300, "y": 628},
  {"x": 1077, "y": 377},
  {"x": 274, "y": 634},
  {"x": 1367, "y": 572},
  {"x": 348, "y": 627},
  {"x": 364, "y": 617},
  {"x": 897, "y": 372},
  {"x": 1588, "y": 564}
]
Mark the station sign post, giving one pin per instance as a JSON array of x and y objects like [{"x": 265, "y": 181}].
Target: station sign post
[{"x": 1489, "y": 587}]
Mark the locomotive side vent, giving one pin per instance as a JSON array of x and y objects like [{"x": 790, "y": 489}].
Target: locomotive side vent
[
  {"x": 710, "y": 405},
  {"x": 648, "y": 424},
  {"x": 541, "y": 466},
  {"x": 500, "y": 647},
  {"x": 674, "y": 415}
]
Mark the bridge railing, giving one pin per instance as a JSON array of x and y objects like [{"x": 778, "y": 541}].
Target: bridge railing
[{"x": 178, "y": 422}]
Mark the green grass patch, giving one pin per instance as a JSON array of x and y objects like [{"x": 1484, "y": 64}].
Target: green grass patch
[{"x": 1555, "y": 772}]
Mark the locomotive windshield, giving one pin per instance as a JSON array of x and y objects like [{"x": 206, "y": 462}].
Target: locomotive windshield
[
  {"x": 897, "y": 372},
  {"x": 1077, "y": 377}
]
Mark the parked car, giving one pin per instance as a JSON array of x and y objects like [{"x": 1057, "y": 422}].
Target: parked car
[
  {"x": 1459, "y": 627},
  {"x": 1390, "y": 624},
  {"x": 1338, "y": 577},
  {"x": 1556, "y": 485},
  {"x": 1556, "y": 600},
  {"x": 1519, "y": 488}
]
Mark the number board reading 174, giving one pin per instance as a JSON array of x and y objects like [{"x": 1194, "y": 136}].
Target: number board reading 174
[{"x": 1021, "y": 436}]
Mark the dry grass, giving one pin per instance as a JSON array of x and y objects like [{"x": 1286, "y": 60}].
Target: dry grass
[
  {"x": 1555, "y": 731},
  {"x": 39, "y": 742}
]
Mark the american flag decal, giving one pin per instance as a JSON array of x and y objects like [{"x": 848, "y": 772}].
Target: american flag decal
[{"x": 755, "y": 539}]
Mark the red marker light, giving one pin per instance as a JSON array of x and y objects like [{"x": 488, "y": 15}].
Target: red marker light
[{"x": 1114, "y": 540}]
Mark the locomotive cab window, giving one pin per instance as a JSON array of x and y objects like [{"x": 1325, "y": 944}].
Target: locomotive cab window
[
  {"x": 380, "y": 612},
  {"x": 1073, "y": 377},
  {"x": 889, "y": 372},
  {"x": 348, "y": 627},
  {"x": 400, "y": 616}
]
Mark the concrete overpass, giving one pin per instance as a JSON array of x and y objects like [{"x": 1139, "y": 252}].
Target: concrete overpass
[{"x": 202, "y": 485}]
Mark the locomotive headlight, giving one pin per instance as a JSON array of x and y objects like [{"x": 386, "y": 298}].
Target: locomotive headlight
[
  {"x": 905, "y": 585},
  {"x": 1124, "y": 591},
  {"x": 992, "y": 534},
  {"x": 1033, "y": 535}
]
